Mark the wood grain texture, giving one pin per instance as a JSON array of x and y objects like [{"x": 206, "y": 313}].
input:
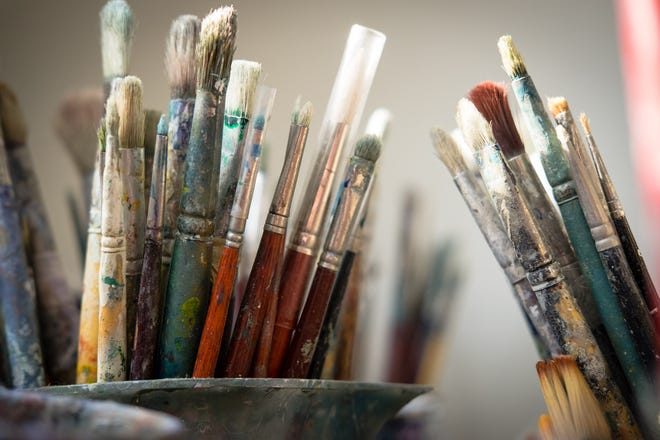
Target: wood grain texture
[
  {"x": 261, "y": 286},
  {"x": 301, "y": 351},
  {"x": 293, "y": 286}
]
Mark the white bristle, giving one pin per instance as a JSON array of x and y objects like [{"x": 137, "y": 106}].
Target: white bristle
[
  {"x": 243, "y": 82},
  {"x": 378, "y": 123},
  {"x": 476, "y": 130}
]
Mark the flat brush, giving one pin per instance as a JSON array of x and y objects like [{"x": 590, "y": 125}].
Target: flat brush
[
  {"x": 57, "y": 306},
  {"x": 112, "y": 347},
  {"x": 20, "y": 355},
  {"x": 150, "y": 295},
  {"x": 487, "y": 218},
  {"x": 117, "y": 29},
  {"x": 89, "y": 307},
  {"x": 618, "y": 216},
  {"x": 187, "y": 294},
  {"x": 355, "y": 187},
  {"x": 180, "y": 66},
  {"x": 573, "y": 410},
  {"x": 274, "y": 236},
  {"x": 216, "y": 318},
  {"x": 342, "y": 116},
  {"x": 238, "y": 112},
  {"x": 131, "y": 152},
  {"x": 76, "y": 125},
  {"x": 543, "y": 273},
  {"x": 491, "y": 101}
]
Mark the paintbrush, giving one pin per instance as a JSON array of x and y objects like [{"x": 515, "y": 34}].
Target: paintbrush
[
  {"x": 491, "y": 101},
  {"x": 187, "y": 294},
  {"x": 89, "y": 308},
  {"x": 112, "y": 349},
  {"x": 76, "y": 125},
  {"x": 268, "y": 265},
  {"x": 592, "y": 199},
  {"x": 116, "y": 39},
  {"x": 217, "y": 316},
  {"x": 618, "y": 216},
  {"x": 573, "y": 410},
  {"x": 263, "y": 281},
  {"x": 180, "y": 66},
  {"x": 131, "y": 152},
  {"x": 543, "y": 273},
  {"x": 349, "y": 93},
  {"x": 19, "y": 332},
  {"x": 151, "y": 121},
  {"x": 150, "y": 296},
  {"x": 57, "y": 306},
  {"x": 491, "y": 226},
  {"x": 356, "y": 183},
  {"x": 238, "y": 112}
]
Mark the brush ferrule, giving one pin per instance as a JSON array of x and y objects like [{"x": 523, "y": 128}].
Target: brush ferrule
[
  {"x": 281, "y": 204},
  {"x": 354, "y": 190},
  {"x": 304, "y": 243},
  {"x": 276, "y": 223},
  {"x": 248, "y": 176},
  {"x": 564, "y": 192},
  {"x": 235, "y": 233},
  {"x": 331, "y": 260},
  {"x": 111, "y": 244},
  {"x": 192, "y": 226},
  {"x": 545, "y": 277},
  {"x": 314, "y": 205},
  {"x": 604, "y": 236}
]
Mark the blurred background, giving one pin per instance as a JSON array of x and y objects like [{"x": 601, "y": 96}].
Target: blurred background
[{"x": 435, "y": 52}]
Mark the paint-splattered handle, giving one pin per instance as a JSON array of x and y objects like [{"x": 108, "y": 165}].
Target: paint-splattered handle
[
  {"x": 89, "y": 313},
  {"x": 112, "y": 354}
]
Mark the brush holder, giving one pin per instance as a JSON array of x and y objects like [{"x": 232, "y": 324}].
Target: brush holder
[{"x": 238, "y": 408}]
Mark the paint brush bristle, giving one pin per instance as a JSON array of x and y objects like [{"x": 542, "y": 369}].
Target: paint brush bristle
[
  {"x": 512, "y": 61},
  {"x": 448, "y": 151},
  {"x": 215, "y": 49},
  {"x": 574, "y": 411},
  {"x": 303, "y": 117},
  {"x": 116, "y": 37},
  {"x": 368, "y": 147},
  {"x": 378, "y": 123},
  {"x": 477, "y": 131},
  {"x": 242, "y": 86},
  {"x": 162, "y": 126},
  {"x": 151, "y": 120},
  {"x": 14, "y": 129},
  {"x": 180, "y": 56},
  {"x": 131, "y": 117},
  {"x": 491, "y": 100},
  {"x": 76, "y": 124},
  {"x": 111, "y": 117},
  {"x": 557, "y": 105},
  {"x": 585, "y": 124}
]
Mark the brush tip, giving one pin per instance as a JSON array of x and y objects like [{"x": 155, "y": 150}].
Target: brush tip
[
  {"x": 585, "y": 124},
  {"x": 557, "y": 105},
  {"x": 379, "y": 122},
  {"x": 14, "y": 129},
  {"x": 448, "y": 151},
  {"x": 162, "y": 126},
  {"x": 111, "y": 116},
  {"x": 303, "y": 115},
  {"x": 242, "y": 87},
  {"x": 215, "y": 49},
  {"x": 476, "y": 130},
  {"x": 116, "y": 37},
  {"x": 512, "y": 61},
  {"x": 180, "y": 55},
  {"x": 368, "y": 147},
  {"x": 131, "y": 116}
]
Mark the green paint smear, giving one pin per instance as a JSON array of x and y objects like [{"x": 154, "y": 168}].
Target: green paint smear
[
  {"x": 111, "y": 281},
  {"x": 189, "y": 311}
]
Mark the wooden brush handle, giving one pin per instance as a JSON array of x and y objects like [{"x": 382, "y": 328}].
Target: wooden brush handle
[
  {"x": 295, "y": 276},
  {"x": 209, "y": 345},
  {"x": 148, "y": 313},
  {"x": 89, "y": 313},
  {"x": 330, "y": 321},
  {"x": 348, "y": 323},
  {"x": 300, "y": 353},
  {"x": 260, "y": 287},
  {"x": 260, "y": 364}
]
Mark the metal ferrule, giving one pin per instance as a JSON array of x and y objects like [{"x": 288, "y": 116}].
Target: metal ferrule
[
  {"x": 276, "y": 223},
  {"x": 248, "y": 177},
  {"x": 155, "y": 215},
  {"x": 281, "y": 204},
  {"x": 545, "y": 277},
  {"x": 313, "y": 207},
  {"x": 491, "y": 226},
  {"x": 516, "y": 217},
  {"x": 345, "y": 219}
]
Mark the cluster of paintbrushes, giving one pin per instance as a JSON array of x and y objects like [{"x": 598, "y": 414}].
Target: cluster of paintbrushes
[
  {"x": 577, "y": 272},
  {"x": 169, "y": 202}
]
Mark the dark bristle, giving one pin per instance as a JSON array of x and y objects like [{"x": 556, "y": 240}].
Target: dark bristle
[
  {"x": 368, "y": 147},
  {"x": 491, "y": 100},
  {"x": 11, "y": 118}
]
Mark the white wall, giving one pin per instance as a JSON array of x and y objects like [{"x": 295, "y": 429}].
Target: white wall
[{"x": 435, "y": 52}]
